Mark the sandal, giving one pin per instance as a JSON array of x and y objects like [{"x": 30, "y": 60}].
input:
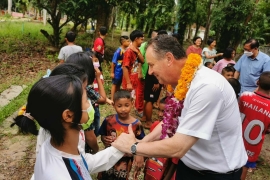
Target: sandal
[{"x": 139, "y": 114}]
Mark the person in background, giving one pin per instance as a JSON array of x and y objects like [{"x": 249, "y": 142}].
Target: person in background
[
  {"x": 116, "y": 65},
  {"x": 70, "y": 48},
  {"x": 228, "y": 57},
  {"x": 256, "y": 122},
  {"x": 209, "y": 53},
  {"x": 209, "y": 65},
  {"x": 99, "y": 45},
  {"x": 228, "y": 72},
  {"x": 251, "y": 65},
  {"x": 196, "y": 47}
]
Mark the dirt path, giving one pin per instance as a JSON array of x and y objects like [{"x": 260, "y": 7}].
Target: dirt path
[{"x": 17, "y": 152}]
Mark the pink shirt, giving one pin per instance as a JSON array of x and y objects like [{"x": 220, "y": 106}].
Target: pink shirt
[
  {"x": 192, "y": 49},
  {"x": 222, "y": 64}
]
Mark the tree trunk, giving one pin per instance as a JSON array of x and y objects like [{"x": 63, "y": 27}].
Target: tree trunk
[
  {"x": 127, "y": 21},
  {"x": 207, "y": 26},
  {"x": 190, "y": 31},
  {"x": 9, "y": 6},
  {"x": 101, "y": 19}
]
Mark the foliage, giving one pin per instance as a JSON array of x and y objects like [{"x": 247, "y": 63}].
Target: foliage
[
  {"x": 228, "y": 21},
  {"x": 186, "y": 10}
]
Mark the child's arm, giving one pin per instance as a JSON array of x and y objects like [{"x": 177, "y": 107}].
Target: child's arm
[
  {"x": 126, "y": 76},
  {"x": 108, "y": 101},
  {"x": 91, "y": 140},
  {"x": 112, "y": 70},
  {"x": 102, "y": 99},
  {"x": 138, "y": 161}
]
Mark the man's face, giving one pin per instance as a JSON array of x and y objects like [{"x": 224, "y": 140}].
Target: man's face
[
  {"x": 157, "y": 67},
  {"x": 228, "y": 75},
  {"x": 249, "y": 49}
]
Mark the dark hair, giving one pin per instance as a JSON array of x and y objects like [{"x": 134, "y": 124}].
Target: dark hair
[
  {"x": 210, "y": 41},
  {"x": 122, "y": 94},
  {"x": 122, "y": 38},
  {"x": 135, "y": 34},
  {"x": 264, "y": 81},
  {"x": 207, "y": 64},
  {"x": 254, "y": 43},
  {"x": 162, "y": 101},
  {"x": 164, "y": 43},
  {"x": 70, "y": 36},
  {"x": 160, "y": 32},
  {"x": 228, "y": 69},
  {"x": 70, "y": 69},
  {"x": 235, "y": 85},
  {"x": 85, "y": 61},
  {"x": 103, "y": 30},
  {"x": 228, "y": 52},
  {"x": 47, "y": 100},
  {"x": 195, "y": 39}
]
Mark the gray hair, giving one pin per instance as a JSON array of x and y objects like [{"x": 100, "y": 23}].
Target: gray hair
[{"x": 162, "y": 44}]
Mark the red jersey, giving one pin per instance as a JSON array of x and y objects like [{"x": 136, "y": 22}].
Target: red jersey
[
  {"x": 99, "y": 45},
  {"x": 131, "y": 63},
  {"x": 255, "y": 114}
]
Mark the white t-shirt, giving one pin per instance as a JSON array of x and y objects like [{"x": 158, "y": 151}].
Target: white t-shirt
[
  {"x": 211, "y": 114},
  {"x": 210, "y": 53},
  {"x": 52, "y": 164},
  {"x": 68, "y": 50}
]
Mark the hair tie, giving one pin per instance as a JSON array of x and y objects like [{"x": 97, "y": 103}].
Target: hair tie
[{"x": 28, "y": 115}]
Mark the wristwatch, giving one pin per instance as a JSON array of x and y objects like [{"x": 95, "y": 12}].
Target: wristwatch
[{"x": 133, "y": 148}]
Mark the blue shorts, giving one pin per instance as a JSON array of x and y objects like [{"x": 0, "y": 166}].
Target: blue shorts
[
  {"x": 117, "y": 81},
  {"x": 250, "y": 164}
]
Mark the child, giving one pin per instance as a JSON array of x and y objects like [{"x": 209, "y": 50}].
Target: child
[
  {"x": 228, "y": 72},
  {"x": 228, "y": 57},
  {"x": 235, "y": 85},
  {"x": 209, "y": 65},
  {"x": 131, "y": 60},
  {"x": 99, "y": 45},
  {"x": 254, "y": 108},
  {"x": 116, "y": 66},
  {"x": 160, "y": 168},
  {"x": 58, "y": 104},
  {"x": 84, "y": 60},
  {"x": 119, "y": 123},
  {"x": 70, "y": 48}
]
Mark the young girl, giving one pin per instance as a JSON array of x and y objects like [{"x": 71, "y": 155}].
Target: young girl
[
  {"x": 113, "y": 126},
  {"x": 84, "y": 60},
  {"x": 228, "y": 57},
  {"x": 59, "y": 104}
]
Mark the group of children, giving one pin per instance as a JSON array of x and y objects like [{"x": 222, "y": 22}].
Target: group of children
[{"x": 65, "y": 105}]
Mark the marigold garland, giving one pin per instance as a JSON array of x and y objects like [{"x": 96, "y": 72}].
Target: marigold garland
[{"x": 175, "y": 102}]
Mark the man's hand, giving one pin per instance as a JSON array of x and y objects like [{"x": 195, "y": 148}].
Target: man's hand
[
  {"x": 125, "y": 141},
  {"x": 112, "y": 75},
  {"x": 107, "y": 140},
  {"x": 155, "y": 87}
]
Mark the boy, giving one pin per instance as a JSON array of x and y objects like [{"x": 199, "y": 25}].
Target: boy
[
  {"x": 228, "y": 72},
  {"x": 116, "y": 66},
  {"x": 254, "y": 108},
  {"x": 118, "y": 123},
  {"x": 131, "y": 60},
  {"x": 209, "y": 65},
  {"x": 99, "y": 45},
  {"x": 70, "y": 48}
]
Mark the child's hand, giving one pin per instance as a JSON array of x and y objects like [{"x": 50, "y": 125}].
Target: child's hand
[
  {"x": 112, "y": 75},
  {"x": 98, "y": 73},
  {"x": 108, "y": 101},
  {"x": 138, "y": 161},
  {"x": 107, "y": 140},
  {"x": 129, "y": 87}
]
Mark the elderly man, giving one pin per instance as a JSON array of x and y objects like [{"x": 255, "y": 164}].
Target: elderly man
[
  {"x": 208, "y": 141},
  {"x": 251, "y": 65}
]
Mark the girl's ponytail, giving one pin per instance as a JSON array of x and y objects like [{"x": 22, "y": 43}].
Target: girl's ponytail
[{"x": 25, "y": 122}]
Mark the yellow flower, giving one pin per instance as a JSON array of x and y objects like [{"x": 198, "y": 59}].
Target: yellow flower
[
  {"x": 187, "y": 74},
  {"x": 169, "y": 88}
]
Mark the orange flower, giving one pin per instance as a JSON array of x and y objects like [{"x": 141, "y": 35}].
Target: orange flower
[
  {"x": 169, "y": 88},
  {"x": 187, "y": 74}
]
